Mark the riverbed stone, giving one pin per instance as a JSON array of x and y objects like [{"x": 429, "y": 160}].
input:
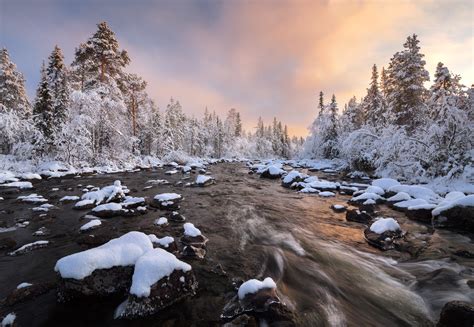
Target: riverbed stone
[
  {"x": 461, "y": 218},
  {"x": 163, "y": 293},
  {"x": 385, "y": 241},
  {"x": 101, "y": 282},
  {"x": 358, "y": 216},
  {"x": 458, "y": 314},
  {"x": 193, "y": 252}
]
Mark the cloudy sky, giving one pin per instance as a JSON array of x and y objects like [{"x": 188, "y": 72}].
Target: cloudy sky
[{"x": 265, "y": 58}]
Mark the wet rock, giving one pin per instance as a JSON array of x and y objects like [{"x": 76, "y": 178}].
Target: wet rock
[
  {"x": 358, "y": 216},
  {"x": 27, "y": 293},
  {"x": 199, "y": 241},
  {"x": 175, "y": 216},
  {"x": 7, "y": 243},
  {"x": 264, "y": 304},
  {"x": 457, "y": 313},
  {"x": 385, "y": 241},
  {"x": 193, "y": 252},
  {"x": 461, "y": 218},
  {"x": 338, "y": 208},
  {"x": 101, "y": 282},
  {"x": 422, "y": 215},
  {"x": 163, "y": 293}
]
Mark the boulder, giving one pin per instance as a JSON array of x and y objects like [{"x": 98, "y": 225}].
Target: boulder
[
  {"x": 27, "y": 293},
  {"x": 193, "y": 252},
  {"x": 457, "y": 313},
  {"x": 384, "y": 241},
  {"x": 458, "y": 217},
  {"x": 422, "y": 214},
  {"x": 159, "y": 280},
  {"x": 262, "y": 305},
  {"x": 101, "y": 282},
  {"x": 358, "y": 216},
  {"x": 175, "y": 216},
  {"x": 338, "y": 208}
]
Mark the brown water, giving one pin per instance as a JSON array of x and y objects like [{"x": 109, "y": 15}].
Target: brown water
[{"x": 324, "y": 269}]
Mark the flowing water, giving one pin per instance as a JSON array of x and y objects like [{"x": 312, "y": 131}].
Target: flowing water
[{"x": 324, "y": 269}]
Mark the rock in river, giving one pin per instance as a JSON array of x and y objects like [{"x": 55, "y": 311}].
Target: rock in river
[{"x": 457, "y": 313}]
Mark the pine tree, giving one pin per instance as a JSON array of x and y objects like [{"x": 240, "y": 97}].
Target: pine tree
[
  {"x": 12, "y": 86},
  {"x": 133, "y": 88},
  {"x": 43, "y": 114},
  {"x": 321, "y": 103},
  {"x": 406, "y": 93},
  {"x": 238, "y": 126},
  {"x": 330, "y": 132},
  {"x": 58, "y": 86}
]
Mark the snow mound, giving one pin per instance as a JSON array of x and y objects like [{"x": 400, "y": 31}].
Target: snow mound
[
  {"x": 190, "y": 230},
  {"x": 153, "y": 266},
  {"x": 34, "y": 198},
  {"x": 164, "y": 241},
  {"x": 164, "y": 197},
  {"x": 161, "y": 221},
  {"x": 91, "y": 224},
  {"x": 108, "y": 207},
  {"x": 410, "y": 203},
  {"x": 203, "y": 179},
  {"x": 375, "y": 189},
  {"x": 20, "y": 185},
  {"x": 400, "y": 196},
  {"x": 417, "y": 192},
  {"x": 326, "y": 194},
  {"x": 254, "y": 285},
  {"x": 23, "y": 285},
  {"x": 366, "y": 196},
  {"x": 69, "y": 198},
  {"x": 382, "y": 225},
  {"x": 7, "y": 177},
  {"x": 106, "y": 194},
  {"x": 385, "y": 183},
  {"x": 122, "y": 251}
]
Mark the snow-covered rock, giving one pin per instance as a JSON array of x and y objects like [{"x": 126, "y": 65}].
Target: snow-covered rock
[
  {"x": 95, "y": 223},
  {"x": 382, "y": 225},
  {"x": 326, "y": 194},
  {"x": 385, "y": 183},
  {"x": 375, "y": 189},
  {"x": 338, "y": 208},
  {"x": 383, "y": 233},
  {"x": 293, "y": 177},
  {"x": 358, "y": 216},
  {"x": 367, "y": 196},
  {"x": 254, "y": 285},
  {"x": 84, "y": 204},
  {"x": 20, "y": 185},
  {"x": 166, "y": 242},
  {"x": 204, "y": 180},
  {"x": 455, "y": 212},
  {"x": 133, "y": 202},
  {"x": 162, "y": 221},
  {"x": 167, "y": 200},
  {"x": 32, "y": 198},
  {"x": 112, "y": 193},
  {"x": 159, "y": 280},
  {"x": 108, "y": 210},
  {"x": 416, "y": 192},
  {"x": 69, "y": 198},
  {"x": 8, "y": 320},
  {"x": 193, "y": 237},
  {"x": 29, "y": 247},
  {"x": 400, "y": 196},
  {"x": 190, "y": 230},
  {"x": 272, "y": 171}
]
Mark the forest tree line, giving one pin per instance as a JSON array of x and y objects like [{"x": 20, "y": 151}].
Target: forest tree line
[{"x": 94, "y": 111}]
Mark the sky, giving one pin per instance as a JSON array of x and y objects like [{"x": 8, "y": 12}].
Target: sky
[{"x": 264, "y": 58}]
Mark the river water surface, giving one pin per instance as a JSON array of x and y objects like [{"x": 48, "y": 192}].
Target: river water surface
[{"x": 324, "y": 269}]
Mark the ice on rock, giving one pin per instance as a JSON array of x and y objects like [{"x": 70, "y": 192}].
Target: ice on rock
[
  {"x": 23, "y": 285},
  {"x": 152, "y": 267},
  {"x": 91, "y": 224},
  {"x": 252, "y": 286},
  {"x": 382, "y": 225},
  {"x": 190, "y": 230},
  {"x": 122, "y": 251}
]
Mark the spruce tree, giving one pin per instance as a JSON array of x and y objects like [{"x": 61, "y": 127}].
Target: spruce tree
[
  {"x": 43, "y": 114},
  {"x": 12, "y": 86},
  {"x": 406, "y": 93},
  {"x": 58, "y": 85},
  {"x": 372, "y": 105}
]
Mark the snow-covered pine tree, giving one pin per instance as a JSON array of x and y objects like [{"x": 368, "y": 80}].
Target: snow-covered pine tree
[
  {"x": 330, "y": 148},
  {"x": 43, "y": 112},
  {"x": 406, "y": 93},
  {"x": 238, "y": 125},
  {"x": 12, "y": 86},
  {"x": 173, "y": 128},
  {"x": 58, "y": 86},
  {"x": 133, "y": 89},
  {"x": 372, "y": 105}
]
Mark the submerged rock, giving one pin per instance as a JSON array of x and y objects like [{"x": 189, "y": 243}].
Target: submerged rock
[
  {"x": 29, "y": 292},
  {"x": 358, "y": 216},
  {"x": 457, "y": 313},
  {"x": 259, "y": 300}
]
